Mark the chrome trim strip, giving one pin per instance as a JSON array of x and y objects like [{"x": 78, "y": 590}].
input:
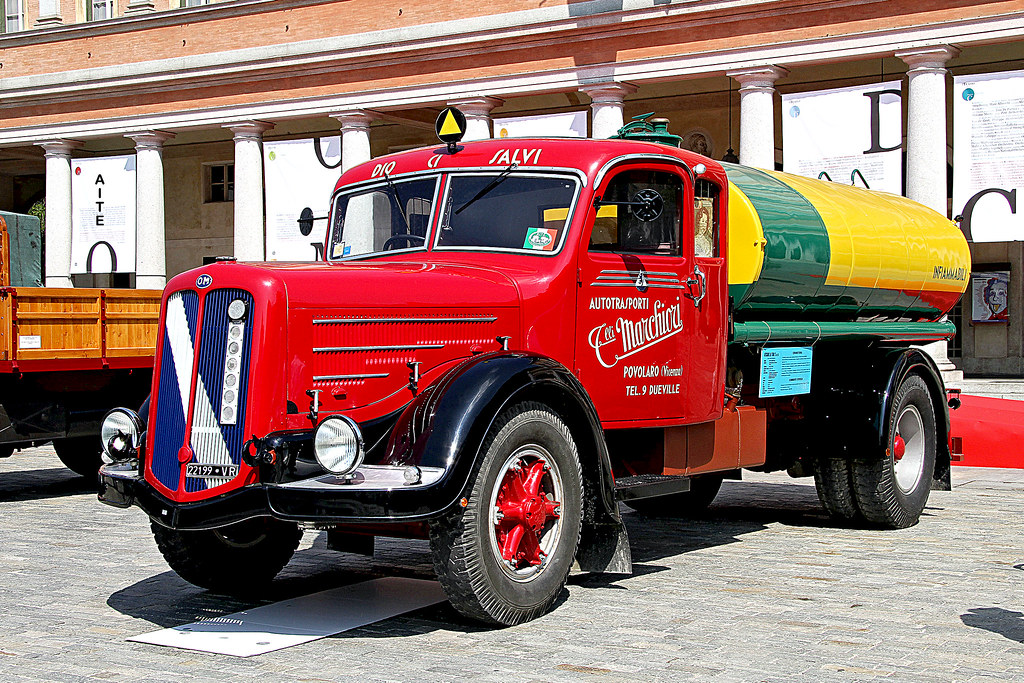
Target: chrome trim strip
[
  {"x": 620, "y": 278},
  {"x": 350, "y": 321},
  {"x": 398, "y": 347},
  {"x": 650, "y": 285},
  {"x": 328, "y": 378},
  {"x": 634, "y": 274}
]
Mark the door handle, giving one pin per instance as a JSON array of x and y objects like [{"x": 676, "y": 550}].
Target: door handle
[{"x": 698, "y": 279}]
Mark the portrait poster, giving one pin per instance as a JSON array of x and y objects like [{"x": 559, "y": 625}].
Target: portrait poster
[
  {"x": 990, "y": 296},
  {"x": 854, "y": 135},
  {"x": 103, "y": 214},
  {"x": 298, "y": 174},
  {"x": 988, "y": 155}
]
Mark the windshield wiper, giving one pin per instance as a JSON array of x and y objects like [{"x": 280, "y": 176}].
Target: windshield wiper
[
  {"x": 498, "y": 180},
  {"x": 398, "y": 201}
]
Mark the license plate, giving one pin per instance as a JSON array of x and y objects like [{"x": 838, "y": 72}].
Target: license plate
[{"x": 194, "y": 469}]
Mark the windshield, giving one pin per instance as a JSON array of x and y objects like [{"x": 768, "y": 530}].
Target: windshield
[
  {"x": 507, "y": 211},
  {"x": 394, "y": 215}
]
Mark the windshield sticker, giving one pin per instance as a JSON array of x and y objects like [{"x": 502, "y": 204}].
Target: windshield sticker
[
  {"x": 625, "y": 337},
  {"x": 339, "y": 250},
  {"x": 540, "y": 239},
  {"x": 521, "y": 157}
]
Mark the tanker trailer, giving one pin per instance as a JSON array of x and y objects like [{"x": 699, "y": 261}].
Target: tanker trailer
[{"x": 860, "y": 276}]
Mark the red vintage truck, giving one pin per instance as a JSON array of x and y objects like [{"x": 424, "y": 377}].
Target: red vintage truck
[{"x": 507, "y": 338}]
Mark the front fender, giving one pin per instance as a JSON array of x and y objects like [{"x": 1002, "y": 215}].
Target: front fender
[{"x": 445, "y": 426}]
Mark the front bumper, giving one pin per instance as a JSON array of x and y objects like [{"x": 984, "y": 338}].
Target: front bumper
[{"x": 324, "y": 499}]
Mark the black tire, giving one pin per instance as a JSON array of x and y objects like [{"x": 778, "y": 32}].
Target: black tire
[
  {"x": 833, "y": 480},
  {"x": 81, "y": 454},
  {"x": 891, "y": 491},
  {"x": 235, "y": 559},
  {"x": 693, "y": 503},
  {"x": 470, "y": 564}
]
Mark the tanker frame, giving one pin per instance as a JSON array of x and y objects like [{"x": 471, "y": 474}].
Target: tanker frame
[{"x": 508, "y": 337}]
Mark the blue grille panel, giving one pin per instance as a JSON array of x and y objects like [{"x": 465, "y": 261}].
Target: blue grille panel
[
  {"x": 211, "y": 369},
  {"x": 169, "y": 412}
]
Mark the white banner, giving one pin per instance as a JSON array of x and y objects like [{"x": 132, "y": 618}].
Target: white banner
[
  {"x": 103, "y": 215},
  {"x": 298, "y": 176},
  {"x": 852, "y": 134},
  {"x": 988, "y": 155},
  {"x": 568, "y": 125}
]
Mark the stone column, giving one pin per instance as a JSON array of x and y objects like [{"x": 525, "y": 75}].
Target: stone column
[
  {"x": 757, "y": 114},
  {"x": 58, "y": 211},
  {"x": 606, "y": 107},
  {"x": 926, "y": 151},
  {"x": 249, "y": 221},
  {"x": 150, "y": 261},
  {"x": 477, "y": 111},
  {"x": 355, "y": 137}
]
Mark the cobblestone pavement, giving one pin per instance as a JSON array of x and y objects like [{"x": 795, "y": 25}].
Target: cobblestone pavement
[{"x": 766, "y": 589}]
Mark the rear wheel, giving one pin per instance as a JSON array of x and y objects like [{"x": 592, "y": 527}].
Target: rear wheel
[
  {"x": 832, "y": 479},
  {"x": 81, "y": 454},
  {"x": 891, "y": 489},
  {"x": 233, "y": 559},
  {"x": 503, "y": 558},
  {"x": 703, "y": 489}
]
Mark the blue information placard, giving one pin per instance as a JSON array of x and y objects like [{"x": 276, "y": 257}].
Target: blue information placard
[{"x": 785, "y": 371}]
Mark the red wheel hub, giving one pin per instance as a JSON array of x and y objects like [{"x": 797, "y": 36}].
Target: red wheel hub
[
  {"x": 524, "y": 510},
  {"x": 899, "y": 448}
]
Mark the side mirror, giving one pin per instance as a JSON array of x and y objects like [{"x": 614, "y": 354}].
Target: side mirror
[{"x": 306, "y": 221}]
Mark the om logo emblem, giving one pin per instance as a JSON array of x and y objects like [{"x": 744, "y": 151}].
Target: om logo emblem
[{"x": 204, "y": 281}]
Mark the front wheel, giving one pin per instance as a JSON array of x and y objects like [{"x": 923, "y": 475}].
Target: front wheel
[
  {"x": 891, "y": 489},
  {"x": 234, "y": 559},
  {"x": 503, "y": 558},
  {"x": 81, "y": 454}
]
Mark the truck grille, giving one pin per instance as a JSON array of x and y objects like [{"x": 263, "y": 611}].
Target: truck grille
[{"x": 187, "y": 414}]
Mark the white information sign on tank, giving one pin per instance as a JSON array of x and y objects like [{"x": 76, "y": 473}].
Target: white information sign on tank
[
  {"x": 103, "y": 215},
  {"x": 852, "y": 134},
  {"x": 299, "y": 174},
  {"x": 988, "y": 155}
]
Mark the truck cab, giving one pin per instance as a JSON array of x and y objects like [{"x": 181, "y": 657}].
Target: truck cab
[{"x": 503, "y": 339}]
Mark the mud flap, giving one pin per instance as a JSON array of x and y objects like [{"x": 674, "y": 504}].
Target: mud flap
[{"x": 604, "y": 549}]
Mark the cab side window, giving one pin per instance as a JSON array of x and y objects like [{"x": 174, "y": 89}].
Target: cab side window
[
  {"x": 640, "y": 212},
  {"x": 705, "y": 219}
]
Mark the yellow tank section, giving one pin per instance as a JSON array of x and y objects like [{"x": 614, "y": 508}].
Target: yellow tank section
[{"x": 807, "y": 249}]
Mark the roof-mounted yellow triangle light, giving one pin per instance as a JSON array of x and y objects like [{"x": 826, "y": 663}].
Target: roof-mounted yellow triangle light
[{"x": 450, "y": 128}]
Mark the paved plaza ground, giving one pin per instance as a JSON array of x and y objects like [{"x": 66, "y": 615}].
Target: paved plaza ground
[{"x": 765, "y": 589}]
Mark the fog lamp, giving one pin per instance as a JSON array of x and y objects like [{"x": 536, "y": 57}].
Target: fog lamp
[
  {"x": 338, "y": 445},
  {"x": 121, "y": 435}
]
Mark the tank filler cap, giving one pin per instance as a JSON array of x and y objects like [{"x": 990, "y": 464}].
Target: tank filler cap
[{"x": 645, "y": 128}]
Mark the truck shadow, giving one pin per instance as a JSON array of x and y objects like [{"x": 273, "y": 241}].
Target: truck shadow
[
  {"x": 41, "y": 484},
  {"x": 166, "y": 600},
  {"x": 1007, "y": 623}
]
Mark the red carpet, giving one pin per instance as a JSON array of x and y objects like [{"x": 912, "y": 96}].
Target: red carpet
[{"x": 992, "y": 430}]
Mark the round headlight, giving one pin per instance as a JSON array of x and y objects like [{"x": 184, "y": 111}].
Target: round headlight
[
  {"x": 121, "y": 435},
  {"x": 236, "y": 309},
  {"x": 338, "y": 445}
]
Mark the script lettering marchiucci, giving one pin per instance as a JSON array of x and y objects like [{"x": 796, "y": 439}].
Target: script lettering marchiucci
[{"x": 632, "y": 336}]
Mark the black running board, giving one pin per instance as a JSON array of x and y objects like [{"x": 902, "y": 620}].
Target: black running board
[{"x": 650, "y": 486}]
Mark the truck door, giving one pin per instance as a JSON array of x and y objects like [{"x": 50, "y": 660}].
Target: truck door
[{"x": 632, "y": 346}]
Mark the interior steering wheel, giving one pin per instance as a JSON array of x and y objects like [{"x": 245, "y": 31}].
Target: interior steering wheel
[{"x": 390, "y": 242}]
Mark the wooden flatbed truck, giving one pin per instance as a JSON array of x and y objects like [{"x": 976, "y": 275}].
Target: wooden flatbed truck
[
  {"x": 507, "y": 338},
  {"x": 67, "y": 356}
]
